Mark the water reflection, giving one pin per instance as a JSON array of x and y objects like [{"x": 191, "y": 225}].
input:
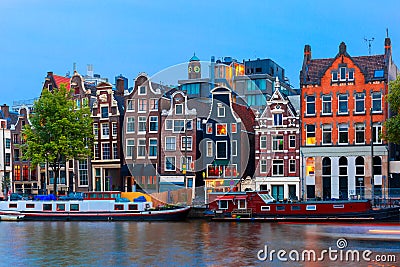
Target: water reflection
[{"x": 193, "y": 243}]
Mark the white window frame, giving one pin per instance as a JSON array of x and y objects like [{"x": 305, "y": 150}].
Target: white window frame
[
  {"x": 173, "y": 141},
  {"x": 220, "y": 111},
  {"x": 216, "y": 129},
  {"x": 337, "y": 76},
  {"x": 263, "y": 166},
  {"x": 278, "y": 119},
  {"x": 189, "y": 122},
  {"x": 171, "y": 123},
  {"x": 274, "y": 164},
  {"x": 139, "y": 146},
  {"x": 102, "y": 150},
  {"x": 340, "y": 72},
  {"x": 209, "y": 128},
  {"x": 131, "y": 148},
  {"x": 142, "y": 105},
  {"x": 114, "y": 129},
  {"x": 141, "y": 121},
  {"x": 376, "y": 133},
  {"x": 114, "y": 151},
  {"x": 310, "y": 102},
  {"x": 174, "y": 163},
  {"x": 189, "y": 162},
  {"x": 240, "y": 206},
  {"x": 130, "y": 105},
  {"x": 234, "y": 148},
  {"x": 233, "y": 127},
  {"x": 341, "y": 131},
  {"x": 347, "y": 104},
  {"x": 292, "y": 138},
  {"x": 223, "y": 207},
  {"x": 275, "y": 142},
  {"x": 373, "y": 100},
  {"x": 153, "y": 104},
  {"x": 128, "y": 122},
  {"x": 226, "y": 149},
  {"x": 188, "y": 143},
  {"x": 326, "y": 128},
  {"x": 292, "y": 162},
  {"x": 150, "y": 146},
  {"x": 357, "y": 130},
  {"x": 180, "y": 105},
  {"x": 362, "y": 100},
  {"x": 348, "y": 74},
  {"x": 182, "y": 130},
  {"x": 326, "y": 102},
  {"x": 209, "y": 146},
  {"x": 103, "y": 135},
  {"x": 152, "y": 122},
  {"x": 96, "y": 130},
  {"x": 263, "y": 140},
  {"x": 140, "y": 90}
]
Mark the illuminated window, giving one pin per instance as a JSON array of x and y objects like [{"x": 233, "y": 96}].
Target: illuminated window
[
  {"x": 310, "y": 134},
  {"x": 310, "y": 166},
  {"x": 17, "y": 173},
  {"x": 209, "y": 128},
  {"x": 234, "y": 127},
  {"x": 221, "y": 129}
]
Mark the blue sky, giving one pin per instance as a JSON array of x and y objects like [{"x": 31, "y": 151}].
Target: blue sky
[{"x": 128, "y": 37}]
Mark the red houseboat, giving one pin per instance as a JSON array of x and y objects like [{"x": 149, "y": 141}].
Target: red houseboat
[{"x": 261, "y": 206}]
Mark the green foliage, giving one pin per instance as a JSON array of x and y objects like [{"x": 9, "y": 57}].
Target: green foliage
[
  {"x": 58, "y": 132},
  {"x": 392, "y": 125}
]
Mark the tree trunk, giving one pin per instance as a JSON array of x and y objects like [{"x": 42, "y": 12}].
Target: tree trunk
[{"x": 56, "y": 170}]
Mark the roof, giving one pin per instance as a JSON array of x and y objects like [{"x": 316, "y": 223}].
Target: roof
[
  {"x": 194, "y": 58},
  {"x": 316, "y": 68},
  {"x": 246, "y": 114},
  {"x": 60, "y": 79}
]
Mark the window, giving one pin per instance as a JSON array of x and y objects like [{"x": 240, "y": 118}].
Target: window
[
  {"x": 343, "y": 166},
  {"x": 223, "y": 204},
  {"x": 221, "y": 111},
  {"x": 105, "y": 130},
  {"x": 277, "y": 167},
  {"x": 189, "y": 124},
  {"x": 142, "y": 90},
  {"x": 186, "y": 143},
  {"x": 130, "y": 148},
  {"x": 96, "y": 151},
  {"x": 376, "y": 131},
  {"x": 142, "y": 105},
  {"x": 95, "y": 130},
  {"x": 74, "y": 207},
  {"x": 154, "y": 104},
  {"x": 209, "y": 128},
  {"x": 263, "y": 142},
  {"x": 310, "y": 134},
  {"x": 83, "y": 173},
  {"x": 191, "y": 89},
  {"x": 360, "y": 133},
  {"x": 16, "y": 154},
  {"x": 326, "y": 104},
  {"x": 115, "y": 151},
  {"x": 118, "y": 207},
  {"x": 222, "y": 150},
  {"x": 170, "y": 163},
  {"x": 153, "y": 124},
  {"x": 210, "y": 149},
  {"x": 104, "y": 112},
  {"x": 8, "y": 159},
  {"x": 114, "y": 129},
  {"x": 17, "y": 173},
  {"x": 153, "y": 147},
  {"x": 188, "y": 163},
  {"x": 241, "y": 204},
  {"x": 343, "y": 107},
  {"x": 342, "y": 73},
  {"x": 170, "y": 143},
  {"x": 277, "y": 142},
  {"x": 179, "y": 109},
  {"x": 221, "y": 129},
  {"x": 256, "y": 100},
  {"x": 130, "y": 105},
  {"x": 379, "y": 73},
  {"x": 132, "y": 206},
  {"x": 142, "y": 124},
  {"x": 310, "y": 105},
  {"x": 351, "y": 75},
  {"x": 130, "y": 124},
  {"x": 141, "y": 148},
  {"x": 377, "y": 165},
  {"x": 256, "y": 84},
  {"x": 168, "y": 124},
  {"x": 25, "y": 172},
  {"x": 48, "y": 207},
  {"x": 292, "y": 165},
  {"x": 234, "y": 128},
  {"x": 360, "y": 102},
  {"x": 343, "y": 133},
  {"x": 106, "y": 151},
  {"x": 376, "y": 102},
  {"x": 263, "y": 166},
  {"x": 8, "y": 143},
  {"x": 326, "y": 134},
  {"x": 278, "y": 119},
  {"x": 334, "y": 76},
  {"x": 234, "y": 148},
  {"x": 179, "y": 126},
  {"x": 292, "y": 141}
]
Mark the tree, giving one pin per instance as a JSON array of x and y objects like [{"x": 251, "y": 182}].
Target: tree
[
  {"x": 392, "y": 124},
  {"x": 58, "y": 132}
]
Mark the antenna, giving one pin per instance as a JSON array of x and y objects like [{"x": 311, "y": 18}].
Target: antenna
[{"x": 369, "y": 41}]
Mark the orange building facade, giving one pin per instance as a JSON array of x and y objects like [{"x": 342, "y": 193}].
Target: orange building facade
[{"x": 343, "y": 109}]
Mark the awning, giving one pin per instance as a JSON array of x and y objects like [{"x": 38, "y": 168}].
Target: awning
[
  {"x": 225, "y": 197},
  {"x": 241, "y": 197}
]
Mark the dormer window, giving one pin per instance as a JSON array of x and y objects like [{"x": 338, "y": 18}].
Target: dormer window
[
  {"x": 334, "y": 76},
  {"x": 142, "y": 90},
  {"x": 351, "y": 75},
  {"x": 178, "y": 109},
  {"x": 342, "y": 73},
  {"x": 278, "y": 119}
]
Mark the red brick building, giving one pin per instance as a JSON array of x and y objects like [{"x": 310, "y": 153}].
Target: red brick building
[{"x": 343, "y": 109}]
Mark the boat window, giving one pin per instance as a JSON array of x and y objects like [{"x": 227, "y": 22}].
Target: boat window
[
  {"x": 311, "y": 207},
  {"x": 100, "y": 195},
  {"x": 265, "y": 208},
  {"x": 338, "y": 206},
  {"x": 60, "y": 207},
  {"x": 133, "y": 207},
  {"x": 47, "y": 207},
  {"x": 223, "y": 204},
  {"x": 295, "y": 207},
  {"x": 93, "y": 195},
  {"x": 242, "y": 204},
  {"x": 74, "y": 207},
  {"x": 106, "y": 195},
  {"x": 280, "y": 208},
  {"x": 30, "y": 206},
  {"x": 118, "y": 207},
  {"x": 12, "y": 205}
]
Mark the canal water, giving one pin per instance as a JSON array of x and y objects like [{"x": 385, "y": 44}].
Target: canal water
[{"x": 193, "y": 243}]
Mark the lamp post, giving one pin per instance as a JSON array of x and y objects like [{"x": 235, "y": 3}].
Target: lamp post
[{"x": 372, "y": 158}]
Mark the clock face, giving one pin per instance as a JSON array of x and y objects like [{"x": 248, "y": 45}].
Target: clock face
[
  {"x": 197, "y": 69},
  {"x": 190, "y": 69}
]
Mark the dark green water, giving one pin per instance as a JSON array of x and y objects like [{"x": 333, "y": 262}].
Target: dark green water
[{"x": 192, "y": 243}]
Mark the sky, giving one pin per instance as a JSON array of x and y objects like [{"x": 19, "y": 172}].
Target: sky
[{"x": 130, "y": 36}]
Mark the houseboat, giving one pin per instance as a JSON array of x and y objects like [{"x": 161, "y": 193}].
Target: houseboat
[
  {"x": 261, "y": 206},
  {"x": 92, "y": 206}
]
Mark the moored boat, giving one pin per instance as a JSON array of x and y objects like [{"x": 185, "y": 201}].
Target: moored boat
[
  {"x": 261, "y": 206},
  {"x": 11, "y": 216},
  {"x": 93, "y": 206}
]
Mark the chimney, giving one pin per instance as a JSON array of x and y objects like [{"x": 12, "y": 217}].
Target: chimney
[
  {"x": 307, "y": 53},
  {"x": 120, "y": 86},
  {"x": 6, "y": 110},
  {"x": 342, "y": 48},
  {"x": 388, "y": 47}
]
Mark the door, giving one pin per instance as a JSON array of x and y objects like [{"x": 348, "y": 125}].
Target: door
[
  {"x": 292, "y": 192},
  {"x": 277, "y": 192}
]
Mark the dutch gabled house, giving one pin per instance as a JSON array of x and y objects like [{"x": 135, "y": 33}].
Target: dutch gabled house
[
  {"x": 343, "y": 109},
  {"x": 107, "y": 114},
  {"x": 141, "y": 130},
  {"x": 277, "y": 147},
  {"x": 177, "y": 142},
  {"x": 6, "y": 173},
  {"x": 225, "y": 145}
]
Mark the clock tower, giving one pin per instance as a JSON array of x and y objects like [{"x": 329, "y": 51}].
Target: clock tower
[{"x": 194, "y": 68}]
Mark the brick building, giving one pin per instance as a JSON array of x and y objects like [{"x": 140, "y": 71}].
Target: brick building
[{"x": 343, "y": 111}]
